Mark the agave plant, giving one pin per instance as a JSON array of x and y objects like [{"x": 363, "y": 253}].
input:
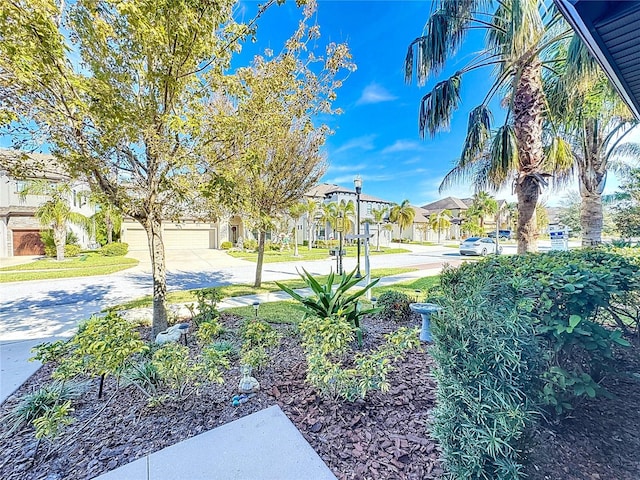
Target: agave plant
[{"x": 329, "y": 301}]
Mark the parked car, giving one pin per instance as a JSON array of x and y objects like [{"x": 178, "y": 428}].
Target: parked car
[
  {"x": 502, "y": 234},
  {"x": 478, "y": 246}
]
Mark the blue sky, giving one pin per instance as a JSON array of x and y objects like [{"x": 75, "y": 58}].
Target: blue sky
[{"x": 377, "y": 135}]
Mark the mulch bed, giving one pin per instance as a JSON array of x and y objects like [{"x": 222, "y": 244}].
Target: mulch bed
[{"x": 384, "y": 437}]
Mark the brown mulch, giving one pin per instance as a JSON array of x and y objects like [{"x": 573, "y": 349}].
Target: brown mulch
[
  {"x": 383, "y": 437},
  {"x": 386, "y": 436}
]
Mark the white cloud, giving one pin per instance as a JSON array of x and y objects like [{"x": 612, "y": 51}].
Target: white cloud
[
  {"x": 347, "y": 168},
  {"x": 374, "y": 93},
  {"x": 361, "y": 143},
  {"x": 404, "y": 146}
]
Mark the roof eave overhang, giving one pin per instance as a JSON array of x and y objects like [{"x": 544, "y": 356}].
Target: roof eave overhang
[{"x": 600, "y": 52}]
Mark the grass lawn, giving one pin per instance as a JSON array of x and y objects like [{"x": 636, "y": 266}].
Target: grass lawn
[
  {"x": 409, "y": 288},
  {"x": 305, "y": 254},
  {"x": 82, "y": 266},
  {"x": 273, "y": 312},
  {"x": 188, "y": 296}
]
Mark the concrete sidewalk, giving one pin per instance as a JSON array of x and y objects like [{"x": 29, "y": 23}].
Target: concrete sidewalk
[{"x": 262, "y": 446}]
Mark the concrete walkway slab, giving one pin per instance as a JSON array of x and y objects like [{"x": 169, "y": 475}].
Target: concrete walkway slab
[{"x": 262, "y": 446}]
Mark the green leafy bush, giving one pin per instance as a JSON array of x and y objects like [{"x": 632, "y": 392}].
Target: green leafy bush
[
  {"x": 207, "y": 306},
  {"x": 39, "y": 403},
  {"x": 327, "y": 342},
  {"x": 207, "y": 331},
  {"x": 487, "y": 371},
  {"x": 394, "y": 306},
  {"x": 70, "y": 250},
  {"x": 115, "y": 249},
  {"x": 329, "y": 302},
  {"x": 226, "y": 245},
  {"x": 251, "y": 245},
  {"x": 256, "y": 332},
  {"x": 103, "y": 346},
  {"x": 256, "y": 357}
]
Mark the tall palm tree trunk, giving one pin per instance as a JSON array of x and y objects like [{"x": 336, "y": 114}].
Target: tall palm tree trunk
[
  {"x": 153, "y": 226},
  {"x": 59, "y": 240},
  {"x": 591, "y": 184},
  {"x": 528, "y": 108}
]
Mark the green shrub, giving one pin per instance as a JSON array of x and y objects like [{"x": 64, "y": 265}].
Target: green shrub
[
  {"x": 37, "y": 404},
  {"x": 226, "y": 245},
  {"x": 115, "y": 249},
  {"x": 329, "y": 302},
  {"x": 208, "y": 330},
  {"x": 394, "y": 306},
  {"x": 70, "y": 250},
  {"x": 256, "y": 357},
  {"x": 207, "y": 307},
  {"x": 335, "y": 372},
  {"x": 256, "y": 332},
  {"x": 229, "y": 348},
  {"x": 103, "y": 346},
  {"x": 251, "y": 245},
  {"x": 487, "y": 370}
]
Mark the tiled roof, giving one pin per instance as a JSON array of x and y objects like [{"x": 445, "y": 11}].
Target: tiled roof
[
  {"x": 327, "y": 189},
  {"x": 449, "y": 203}
]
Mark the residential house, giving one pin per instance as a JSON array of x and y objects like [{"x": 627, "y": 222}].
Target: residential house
[{"x": 19, "y": 228}]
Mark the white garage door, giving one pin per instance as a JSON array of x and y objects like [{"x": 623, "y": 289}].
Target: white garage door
[
  {"x": 136, "y": 238},
  {"x": 185, "y": 239}
]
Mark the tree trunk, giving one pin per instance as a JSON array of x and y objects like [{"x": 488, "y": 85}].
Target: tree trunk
[
  {"x": 378, "y": 239},
  {"x": 527, "y": 108},
  {"x": 261, "y": 240},
  {"x": 59, "y": 240},
  {"x": 310, "y": 232},
  {"x": 109, "y": 224},
  {"x": 153, "y": 227},
  {"x": 591, "y": 181},
  {"x": 295, "y": 240}
]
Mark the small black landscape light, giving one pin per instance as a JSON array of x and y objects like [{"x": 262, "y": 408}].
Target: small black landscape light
[{"x": 256, "y": 306}]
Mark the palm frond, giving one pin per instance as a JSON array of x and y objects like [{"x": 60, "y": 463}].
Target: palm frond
[
  {"x": 581, "y": 66},
  {"x": 503, "y": 154},
  {"x": 559, "y": 159},
  {"x": 629, "y": 150},
  {"x": 437, "y": 106},
  {"x": 478, "y": 132},
  {"x": 456, "y": 176}
]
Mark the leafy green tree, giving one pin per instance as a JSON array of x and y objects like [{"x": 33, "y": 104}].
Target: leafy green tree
[
  {"x": 402, "y": 214},
  {"x": 328, "y": 215},
  {"x": 56, "y": 213},
  {"x": 569, "y": 214},
  {"x": 108, "y": 221},
  {"x": 483, "y": 205},
  {"x": 517, "y": 34},
  {"x": 269, "y": 119},
  {"x": 627, "y": 213},
  {"x": 440, "y": 221},
  {"x": 348, "y": 211},
  {"x": 119, "y": 91},
  {"x": 379, "y": 215}
]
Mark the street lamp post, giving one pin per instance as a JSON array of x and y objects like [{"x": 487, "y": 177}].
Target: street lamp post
[{"x": 357, "y": 182}]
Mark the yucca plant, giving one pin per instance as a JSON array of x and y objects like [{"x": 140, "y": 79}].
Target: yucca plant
[{"x": 328, "y": 301}]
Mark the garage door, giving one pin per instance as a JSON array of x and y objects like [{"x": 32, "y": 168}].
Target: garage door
[
  {"x": 27, "y": 242},
  {"x": 184, "y": 239},
  {"x": 136, "y": 238}
]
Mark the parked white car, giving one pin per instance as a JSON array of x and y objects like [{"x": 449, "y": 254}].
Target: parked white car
[{"x": 479, "y": 246}]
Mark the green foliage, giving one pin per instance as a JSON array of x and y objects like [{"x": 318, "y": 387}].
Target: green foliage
[
  {"x": 207, "y": 308},
  {"x": 394, "y": 305},
  {"x": 226, "y": 245},
  {"x": 103, "y": 346},
  {"x": 51, "y": 351},
  {"x": 257, "y": 332},
  {"x": 487, "y": 368},
  {"x": 71, "y": 249},
  {"x": 49, "y": 424},
  {"x": 176, "y": 370},
  {"x": 40, "y": 403},
  {"x": 329, "y": 301},
  {"x": 227, "y": 347},
  {"x": 208, "y": 330},
  {"x": 251, "y": 245},
  {"x": 256, "y": 357},
  {"x": 115, "y": 249},
  {"x": 327, "y": 343},
  {"x": 570, "y": 295}
]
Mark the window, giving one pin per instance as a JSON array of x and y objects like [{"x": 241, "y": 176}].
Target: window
[
  {"x": 368, "y": 209},
  {"x": 21, "y": 185}
]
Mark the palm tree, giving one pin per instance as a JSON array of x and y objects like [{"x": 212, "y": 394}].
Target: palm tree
[
  {"x": 482, "y": 206},
  {"x": 587, "y": 123},
  {"x": 378, "y": 218},
  {"x": 296, "y": 211},
  {"x": 56, "y": 213},
  {"x": 311, "y": 210},
  {"x": 516, "y": 37},
  {"x": 440, "y": 221},
  {"x": 348, "y": 210},
  {"x": 111, "y": 217},
  {"x": 403, "y": 215}
]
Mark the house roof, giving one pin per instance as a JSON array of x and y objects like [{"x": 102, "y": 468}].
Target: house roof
[
  {"x": 609, "y": 28},
  {"x": 325, "y": 190},
  {"x": 421, "y": 215},
  {"x": 449, "y": 203},
  {"x": 20, "y": 164}
]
